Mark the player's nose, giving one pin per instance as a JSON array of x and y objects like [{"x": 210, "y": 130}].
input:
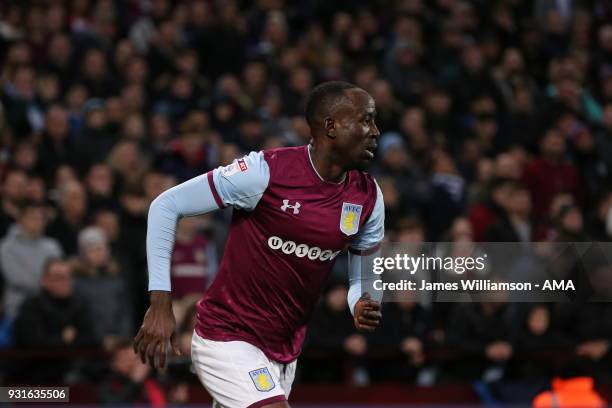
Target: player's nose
[{"x": 374, "y": 131}]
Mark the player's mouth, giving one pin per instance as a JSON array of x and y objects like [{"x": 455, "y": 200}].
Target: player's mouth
[{"x": 369, "y": 151}]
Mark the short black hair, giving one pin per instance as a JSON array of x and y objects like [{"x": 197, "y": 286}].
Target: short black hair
[{"x": 323, "y": 97}]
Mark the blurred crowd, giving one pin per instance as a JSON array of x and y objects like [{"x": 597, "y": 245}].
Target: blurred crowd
[{"x": 496, "y": 121}]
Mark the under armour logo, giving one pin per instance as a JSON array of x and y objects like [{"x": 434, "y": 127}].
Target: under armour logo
[{"x": 295, "y": 208}]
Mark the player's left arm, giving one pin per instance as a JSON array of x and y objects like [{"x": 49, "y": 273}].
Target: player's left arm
[{"x": 363, "y": 299}]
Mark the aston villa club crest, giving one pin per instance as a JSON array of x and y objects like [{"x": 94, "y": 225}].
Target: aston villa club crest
[
  {"x": 349, "y": 220},
  {"x": 262, "y": 379}
]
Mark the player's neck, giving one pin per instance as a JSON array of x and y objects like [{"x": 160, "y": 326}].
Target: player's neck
[{"x": 325, "y": 165}]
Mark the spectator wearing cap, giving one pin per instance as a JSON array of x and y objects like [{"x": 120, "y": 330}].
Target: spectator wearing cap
[
  {"x": 98, "y": 278},
  {"x": 23, "y": 253}
]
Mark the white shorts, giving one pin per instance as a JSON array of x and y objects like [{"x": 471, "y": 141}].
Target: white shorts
[{"x": 239, "y": 375}]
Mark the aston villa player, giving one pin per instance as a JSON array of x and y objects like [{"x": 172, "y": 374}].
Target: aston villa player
[{"x": 295, "y": 209}]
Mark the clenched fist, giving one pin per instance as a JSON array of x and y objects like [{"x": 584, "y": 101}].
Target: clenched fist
[{"x": 367, "y": 313}]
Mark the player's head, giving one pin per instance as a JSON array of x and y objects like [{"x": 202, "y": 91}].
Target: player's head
[{"x": 342, "y": 119}]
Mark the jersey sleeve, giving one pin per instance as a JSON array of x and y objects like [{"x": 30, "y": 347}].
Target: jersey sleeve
[
  {"x": 242, "y": 183},
  {"x": 373, "y": 230},
  {"x": 193, "y": 197}
]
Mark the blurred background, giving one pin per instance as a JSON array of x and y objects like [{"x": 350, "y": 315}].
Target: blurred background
[{"x": 496, "y": 121}]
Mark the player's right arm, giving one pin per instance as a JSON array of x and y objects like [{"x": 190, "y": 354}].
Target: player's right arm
[
  {"x": 240, "y": 185},
  {"x": 363, "y": 300}
]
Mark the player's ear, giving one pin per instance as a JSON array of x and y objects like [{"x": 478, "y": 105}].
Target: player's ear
[{"x": 330, "y": 127}]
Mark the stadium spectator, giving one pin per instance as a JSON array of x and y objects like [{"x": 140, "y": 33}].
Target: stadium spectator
[
  {"x": 129, "y": 380},
  {"x": 448, "y": 194},
  {"x": 56, "y": 318},
  {"x": 332, "y": 335},
  {"x": 123, "y": 99},
  {"x": 72, "y": 203},
  {"x": 482, "y": 333},
  {"x": 56, "y": 147},
  {"x": 515, "y": 224},
  {"x": 23, "y": 253},
  {"x": 14, "y": 190},
  {"x": 539, "y": 332},
  {"x": 550, "y": 173},
  {"x": 98, "y": 277},
  {"x": 100, "y": 185},
  {"x": 407, "y": 331},
  {"x": 570, "y": 225}
]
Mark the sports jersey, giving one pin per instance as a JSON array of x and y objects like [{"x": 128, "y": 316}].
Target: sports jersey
[{"x": 288, "y": 227}]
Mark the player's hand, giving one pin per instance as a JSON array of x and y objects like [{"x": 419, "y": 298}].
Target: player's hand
[
  {"x": 367, "y": 313},
  {"x": 157, "y": 332}
]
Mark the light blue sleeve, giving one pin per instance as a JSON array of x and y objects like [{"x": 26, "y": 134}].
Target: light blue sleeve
[
  {"x": 242, "y": 183},
  {"x": 364, "y": 248},
  {"x": 193, "y": 197},
  {"x": 373, "y": 230},
  {"x": 362, "y": 277}
]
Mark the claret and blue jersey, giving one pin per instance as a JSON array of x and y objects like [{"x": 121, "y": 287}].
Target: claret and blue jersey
[{"x": 287, "y": 228}]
